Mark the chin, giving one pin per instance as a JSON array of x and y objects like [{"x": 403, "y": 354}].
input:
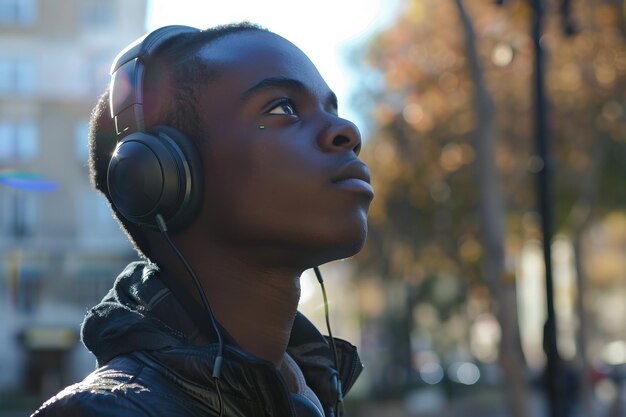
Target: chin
[{"x": 344, "y": 245}]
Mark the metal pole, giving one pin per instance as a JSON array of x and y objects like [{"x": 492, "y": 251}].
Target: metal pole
[{"x": 553, "y": 378}]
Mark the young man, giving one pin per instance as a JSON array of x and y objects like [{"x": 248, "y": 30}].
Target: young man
[{"x": 266, "y": 184}]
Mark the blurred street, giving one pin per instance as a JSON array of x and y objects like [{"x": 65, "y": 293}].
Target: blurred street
[{"x": 492, "y": 265}]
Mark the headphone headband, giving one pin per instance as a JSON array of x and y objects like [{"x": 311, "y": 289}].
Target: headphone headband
[
  {"x": 127, "y": 73},
  {"x": 154, "y": 172}
]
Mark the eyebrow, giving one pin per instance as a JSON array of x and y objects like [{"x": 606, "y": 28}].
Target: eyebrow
[{"x": 289, "y": 84}]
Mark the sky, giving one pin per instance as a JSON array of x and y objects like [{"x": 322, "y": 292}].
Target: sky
[{"x": 326, "y": 30}]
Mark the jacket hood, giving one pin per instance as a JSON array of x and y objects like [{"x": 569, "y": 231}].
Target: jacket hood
[
  {"x": 125, "y": 320},
  {"x": 141, "y": 314}
]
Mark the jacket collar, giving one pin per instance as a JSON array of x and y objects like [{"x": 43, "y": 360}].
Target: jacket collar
[{"x": 141, "y": 313}]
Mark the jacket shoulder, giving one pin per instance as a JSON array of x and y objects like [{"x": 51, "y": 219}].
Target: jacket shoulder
[{"x": 116, "y": 389}]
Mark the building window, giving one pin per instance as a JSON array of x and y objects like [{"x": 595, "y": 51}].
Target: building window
[
  {"x": 18, "y": 210},
  {"x": 18, "y": 75},
  {"x": 18, "y": 12},
  {"x": 23, "y": 279},
  {"x": 19, "y": 141},
  {"x": 24, "y": 214},
  {"x": 98, "y": 13},
  {"x": 81, "y": 141}
]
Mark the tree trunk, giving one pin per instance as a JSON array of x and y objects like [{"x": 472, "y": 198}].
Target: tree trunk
[
  {"x": 580, "y": 218},
  {"x": 492, "y": 222},
  {"x": 621, "y": 16}
]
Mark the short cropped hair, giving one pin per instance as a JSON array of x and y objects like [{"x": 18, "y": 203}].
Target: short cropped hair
[{"x": 173, "y": 77}]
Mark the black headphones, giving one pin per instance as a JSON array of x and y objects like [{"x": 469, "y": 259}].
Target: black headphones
[{"x": 152, "y": 172}]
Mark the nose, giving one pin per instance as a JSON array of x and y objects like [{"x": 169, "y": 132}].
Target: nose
[{"x": 340, "y": 135}]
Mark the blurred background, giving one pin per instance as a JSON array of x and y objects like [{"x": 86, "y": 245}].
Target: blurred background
[{"x": 449, "y": 300}]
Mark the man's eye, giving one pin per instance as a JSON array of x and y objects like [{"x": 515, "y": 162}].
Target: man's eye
[{"x": 284, "y": 107}]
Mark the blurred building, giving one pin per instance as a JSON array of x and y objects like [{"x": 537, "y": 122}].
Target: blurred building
[{"x": 59, "y": 247}]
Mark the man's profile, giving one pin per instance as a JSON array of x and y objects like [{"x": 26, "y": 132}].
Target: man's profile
[{"x": 227, "y": 165}]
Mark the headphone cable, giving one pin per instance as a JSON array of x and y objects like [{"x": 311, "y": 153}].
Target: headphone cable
[
  {"x": 217, "y": 365},
  {"x": 339, "y": 404}
]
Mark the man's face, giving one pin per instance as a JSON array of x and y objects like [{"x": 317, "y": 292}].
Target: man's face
[{"x": 282, "y": 175}]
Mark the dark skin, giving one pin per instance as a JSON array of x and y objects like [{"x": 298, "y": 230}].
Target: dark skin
[{"x": 284, "y": 189}]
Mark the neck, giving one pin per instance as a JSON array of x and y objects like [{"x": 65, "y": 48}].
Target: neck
[{"x": 255, "y": 304}]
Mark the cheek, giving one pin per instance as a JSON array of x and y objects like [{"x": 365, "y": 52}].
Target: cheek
[
  {"x": 277, "y": 185},
  {"x": 264, "y": 194},
  {"x": 252, "y": 186},
  {"x": 301, "y": 214}
]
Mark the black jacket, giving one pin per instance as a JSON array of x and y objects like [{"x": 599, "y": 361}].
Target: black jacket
[{"x": 155, "y": 362}]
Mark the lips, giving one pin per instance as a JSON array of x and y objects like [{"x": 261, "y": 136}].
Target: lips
[
  {"x": 354, "y": 178},
  {"x": 352, "y": 170}
]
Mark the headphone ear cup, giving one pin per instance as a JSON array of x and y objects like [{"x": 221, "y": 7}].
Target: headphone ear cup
[
  {"x": 193, "y": 190},
  {"x": 159, "y": 172}
]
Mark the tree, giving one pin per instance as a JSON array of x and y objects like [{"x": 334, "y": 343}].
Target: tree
[{"x": 424, "y": 95}]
